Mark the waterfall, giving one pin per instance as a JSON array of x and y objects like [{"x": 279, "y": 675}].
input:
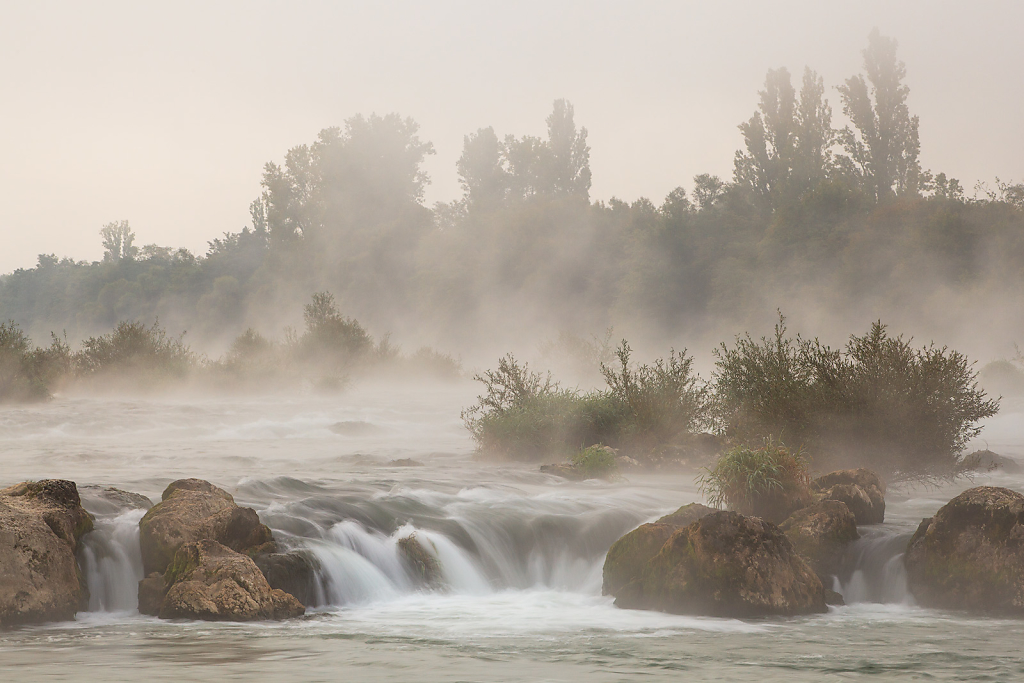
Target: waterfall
[
  {"x": 873, "y": 570},
  {"x": 112, "y": 562}
]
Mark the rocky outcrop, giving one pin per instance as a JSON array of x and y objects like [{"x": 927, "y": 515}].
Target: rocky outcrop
[
  {"x": 861, "y": 490},
  {"x": 820, "y": 534},
  {"x": 110, "y": 500},
  {"x": 987, "y": 461},
  {"x": 727, "y": 565},
  {"x": 422, "y": 566},
  {"x": 193, "y": 510},
  {"x": 970, "y": 555},
  {"x": 628, "y": 555},
  {"x": 293, "y": 572},
  {"x": 40, "y": 526},
  {"x": 209, "y": 581}
]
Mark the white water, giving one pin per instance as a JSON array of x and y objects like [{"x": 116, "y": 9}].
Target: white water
[{"x": 520, "y": 552}]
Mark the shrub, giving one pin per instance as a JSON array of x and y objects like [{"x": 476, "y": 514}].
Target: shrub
[
  {"x": 594, "y": 462},
  {"x": 134, "y": 350},
  {"x": 331, "y": 337},
  {"x": 663, "y": 401},
  {"x": 769, "y": 482},
  {"x": 20, "y": 376},
  {"x": 878, "y": 402}
]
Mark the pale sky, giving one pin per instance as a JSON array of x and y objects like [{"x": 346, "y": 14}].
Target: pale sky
[{"x": 165, "y": 115}]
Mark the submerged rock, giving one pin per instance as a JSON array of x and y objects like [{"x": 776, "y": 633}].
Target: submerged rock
[
  {"x": 987, "y": 461},
  {"x": 193, "y": 510},
  {"x": 293, "y": 572},
  {"x": 862, "y": 490},
  {"x": 40, "y": 527},
  {"x": 970, "y": 555},
  {"x": 421, "y": 564},
  {"x": 152, "y": 590},
  {"x": 564, "y": 470},
  {"x": 209, "y": 581},
  {"x": 627, "y": 557},
  {"x": 110, "y": 500},
  {"x": 820, "y": 533},
  {"x": 727, "y": 565}
]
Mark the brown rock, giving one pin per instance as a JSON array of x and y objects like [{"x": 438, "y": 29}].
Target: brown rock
[
  {"x": 192, "y": 510},
  {"x": 686, "y": 515},
  {"x": 970, "y": 555},
  {"x": 152, "y": 590},
  {"x": 40, "y": 526},
  {"x": 820, "y": 533},
  {"x": 293, "y": 572},
  {"x": 727, "y": 565},
  {"x": 861, "y": 490},
  {"x": 212, "y": 582}
]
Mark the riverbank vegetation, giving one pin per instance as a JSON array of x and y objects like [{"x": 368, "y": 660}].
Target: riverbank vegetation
[{"x": 879, "y": 402}]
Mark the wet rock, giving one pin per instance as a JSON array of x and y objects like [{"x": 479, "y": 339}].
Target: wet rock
[
  {"x": 110, "y": 500},
  {"x": 987, "y": 461},
  {"x": 862, "y": 490},
  {"x": 833, "y": 598},
  {"x": 727, "y": 565},
  {"x": 405, "y": 462},
  {"x": 686, "y": 515},
  {"x": 564, "y": 470},
  {"x": 293, "y": 572},
  {"x": 628, "y": 555},
  {"x": 820, "y": 534},
  {"x": 421, "y": 564},
  {"x": 970, "y": 555},
  {"x": 212, "y": 582},
  {"x": 192, "y": 510},
  {"x": 40, "y": 527},
  {"x": 152, "y": 590}
]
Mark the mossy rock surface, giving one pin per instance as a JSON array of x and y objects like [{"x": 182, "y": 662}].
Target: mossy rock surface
[
  {"x": 207, "y": 580},
  {"x": 193, "y": 510},
  {"x": 728, "y": 565},
  {"x": 41, "y": 525},
  {"x": 861, "y": 490},
  {"x": 820, "y": 533},
  {"x": 970, "y": 555},
  {"x": 629, "y": 555},
  {"x": 687, "y": 515}
]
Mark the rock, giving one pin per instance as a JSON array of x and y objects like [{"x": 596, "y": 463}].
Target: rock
[
  {"x": 564, "y": 470},
  {"x": 686, "y": 515},
  {"x": 152, "y": 590},
  {"x": 727, "y": 565},
  {"x": 624, "y": 462},
  {"x": 987, "y": 461},
  {"x": 970, "y": 555},
  {"x": 862, "y": 490},
  {"x": 40, "y": 527},
  {"x": 833, "y": 598},
  {"x": 628, "y": 555},
  {"x": 192, "y": 510},
  {"x": 213, "y": 582},
  {"x": 110, "y": 500},
  {"x": 820, "y": 534},
  {"x": 405, "y": 462},
  {"x": 421, "y": 564},
  {"x": 293, "y": 572}
]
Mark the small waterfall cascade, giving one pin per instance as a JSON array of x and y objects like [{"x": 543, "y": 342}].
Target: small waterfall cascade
[
  {"x": 111, "y": 561},
  {"x": 873, "y": 570}
]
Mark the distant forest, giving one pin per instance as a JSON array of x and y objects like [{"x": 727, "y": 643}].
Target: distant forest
[{"x": 843, "y": 218}]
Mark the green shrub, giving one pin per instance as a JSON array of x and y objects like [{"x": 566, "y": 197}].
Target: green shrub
[
  {"x": 331, "y": 338},
  {"x": 878, "y": 402},
  {"x": 769, "y": 482},
  {"x": 594, "y": 462},
  {"x": 133, "y": 350},
  {"x": 20, "y": 376}
]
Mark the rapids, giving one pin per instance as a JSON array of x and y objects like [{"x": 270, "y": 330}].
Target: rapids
[{"x": 520, "y": 552}]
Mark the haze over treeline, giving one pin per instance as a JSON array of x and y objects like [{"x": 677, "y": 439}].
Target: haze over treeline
[{"x": 828, "y": 215}]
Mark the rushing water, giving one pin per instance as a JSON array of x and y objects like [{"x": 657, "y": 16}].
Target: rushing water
[{"x": 520, "y": 552}]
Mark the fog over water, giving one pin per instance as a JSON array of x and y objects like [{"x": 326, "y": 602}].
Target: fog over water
[{"x": 522, "y": 552}]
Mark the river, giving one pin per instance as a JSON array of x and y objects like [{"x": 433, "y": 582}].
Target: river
[{"x": 521, "y": 551}]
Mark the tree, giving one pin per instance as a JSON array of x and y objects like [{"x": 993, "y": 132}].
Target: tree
[
  {"x": 570, "y": 154},
  {"x": 787, "y": 141},
  {"x": 482, "y": 175},
  {"x": 118, "y": 242},
  {"x": 707, "y": 189},
  {"x": 884, "y": 150}
]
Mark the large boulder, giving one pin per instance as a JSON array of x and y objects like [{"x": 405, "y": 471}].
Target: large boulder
[
  {"x": 861, "y": 490},
  {"x": 970, "y": 555},
  {"x": 727, "y": 565},
  {"x": 628, "y": 555},
  {"x": 820, "y": 533},
  {"x": 193, "y": 510},
  {"x": 210, "y": 581},
  {"x": 40, "y": 527},
  {"x": 293, "y": 572}
]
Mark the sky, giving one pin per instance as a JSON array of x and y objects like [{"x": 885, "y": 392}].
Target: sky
[{"x": 163, "y": 115}]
